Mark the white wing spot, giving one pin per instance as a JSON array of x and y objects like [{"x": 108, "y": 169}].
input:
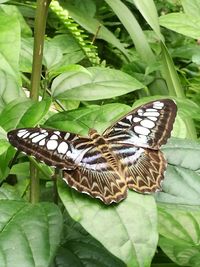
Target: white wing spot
[
  {"x": 151, "y": 114},
  {"x": 158, "y": 105},
  {"x": 136, "y": 119},
  {"x": 57, "y": 132},
  {"x": 141, "y": 130},
  {"x": 147, "y": 123},
  {"x": 42, "y": 142},
  {"x": 33, "y": 135},
  {"x": 52, "y": 144},
  {"x": 26, "y": 135},
  {"x": 140, "y": 112},
  {"x": 62, "y": 148},
  {"x": 21, "y": 133},
  {"x": 129, "y": 117},
  {"x": 123, "y": 123},
  {"x": 43, "y": 131},
  {"x": 38, "y": 138},
  {"x": 54, "y": 136},
  {"x": 152, "y": 118},
  {"x": 67, "y": 135},
  {"x": 151, "y": 109},
  {"x": 143, "y": 138}
]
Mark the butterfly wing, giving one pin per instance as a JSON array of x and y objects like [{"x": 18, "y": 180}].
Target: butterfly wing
[
  {"x": 96, "y": 177},
  {"x": 147, "y": 126},
  {"x": 84, "y": 167},
  {"x": 59, "y": 149},
  {"x": 143, "y": 168}
]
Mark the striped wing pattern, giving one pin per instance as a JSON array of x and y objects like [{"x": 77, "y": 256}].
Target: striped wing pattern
[
  {"x": 147, "y": 126},
  {"x": 104, "y": 166}
]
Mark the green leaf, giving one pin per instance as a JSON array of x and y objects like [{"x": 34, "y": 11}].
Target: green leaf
[
  {"x": 128, "y": 230},
  {"x": 182, "y": 23},
  {"x": 52, "y": 54},
  {"x": 182, "y": 179},
  {"x": 35, "y": 113},
  {"x": 149, "y": 12},
  {"x": 191, "y": 8},
  {"x": 23, "y": 113},
  {"x": 3, "y": 141},
  {"x": 81, "y": 120},
  {"x": 179, "y": 227},
  {"x": 93, "y": 84},
  {"x": 26, "y": 55},
  {"x": 133, "y": 28},
  {"x": 9, "y": 192},
  {"x": 29, "y": 234},
  {"x": 71, "y": 53},
  {"x": 10, "y": 34},
  {"x": 9, "y": 89},
  {"x": 78, "y": 248},
  {"x": 93, "y": 25}
]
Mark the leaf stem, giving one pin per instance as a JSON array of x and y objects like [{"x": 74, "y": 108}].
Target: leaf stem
[{"x": 39, "y": 33}]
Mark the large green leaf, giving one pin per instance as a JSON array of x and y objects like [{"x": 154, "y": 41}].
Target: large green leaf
[
  {"x": 93, "y": 83},
  {"x": 128, "y": 230},
  {"x": 10, "y": 35},
  {"x": 23, "y": 112},
  {"x": 79, "y": 249},
  {"x": 179, "y": 228},
  {"x": 29, "y": 234},
  {"x": 182, "y": 179},
  {"x": 81, "y": 120},
  {"x": 9, "y": 89},
  {"x": 182, "y": 23}
]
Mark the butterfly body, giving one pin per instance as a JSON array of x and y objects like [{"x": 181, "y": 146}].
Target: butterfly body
[{"x": 104, "y": 166}]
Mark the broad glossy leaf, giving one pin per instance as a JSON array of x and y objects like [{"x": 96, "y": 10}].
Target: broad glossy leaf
[
  {"x": 182, "y": 179},
  {"x": 182, "y": 23},
  {"x": 179, "y": 228},
  {"x": 78, "y": 248},
  {"x": 52, "y": 54},
  {"x": 191, "y": 7},
  {"x": 128, "y": 230},
  {"x": 29, "y": 234},
  {"x": 82, "y": 119},
  {"x": 23, "y": 113},
  {"x": 9, "y": 89},
  {"x": 9, "y": 192},
  {"x": 93, "y": 83},
  {"x": 26, "y": 54},
  {"x": 3, "y": 141},
  {"x": 10, "y": 34}
]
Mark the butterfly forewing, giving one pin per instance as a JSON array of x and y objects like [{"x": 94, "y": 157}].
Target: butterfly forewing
[
  {"x": 104, "y": 166},
  {"x": 148, "y": 126},
  {"x": 60, "y": 149}
]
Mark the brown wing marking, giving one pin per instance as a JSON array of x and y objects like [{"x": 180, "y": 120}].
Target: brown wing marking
[
  {"x": 146, "y": 174},
  {"x": 106, "y": 185}
]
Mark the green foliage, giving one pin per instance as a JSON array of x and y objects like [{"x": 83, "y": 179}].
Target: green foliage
[{"x": 141, "y": 62}]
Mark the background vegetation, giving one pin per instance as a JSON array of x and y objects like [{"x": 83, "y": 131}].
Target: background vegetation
[{"x": 100, "y": 59}]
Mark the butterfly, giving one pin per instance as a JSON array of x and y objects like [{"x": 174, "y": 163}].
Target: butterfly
[{"x": 126, "y": 156}]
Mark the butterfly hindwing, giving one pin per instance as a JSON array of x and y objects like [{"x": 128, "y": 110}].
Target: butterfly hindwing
[
  {"x": 148, "y": 126},
  {"x": 143, "y": 168}
]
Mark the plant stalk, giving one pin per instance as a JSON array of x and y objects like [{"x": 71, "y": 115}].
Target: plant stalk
[{"x": 39, "y": 33}]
